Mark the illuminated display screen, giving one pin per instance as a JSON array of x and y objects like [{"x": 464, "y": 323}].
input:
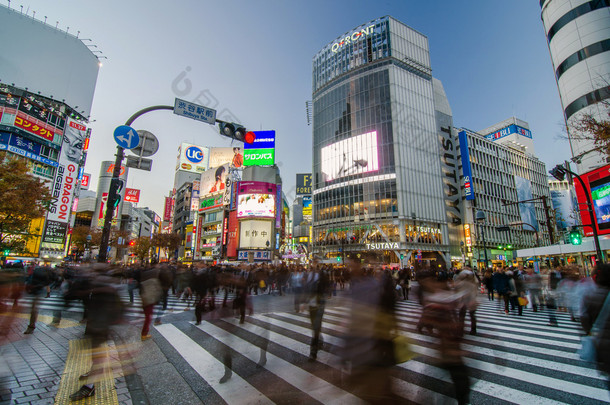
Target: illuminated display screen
[
  {"x": 600, "y": 193},
  {"x": 256, "y": 205},
  {"x": 350, "y": 156}
]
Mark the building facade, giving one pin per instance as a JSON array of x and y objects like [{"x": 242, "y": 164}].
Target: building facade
[
  {"x": 578, "y": 35},
  {"x": 378, "y": 190},
  {"x": 508, "y": 184}
]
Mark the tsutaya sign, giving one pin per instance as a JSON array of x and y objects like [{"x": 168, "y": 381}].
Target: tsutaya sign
[
  {"x": 384, "y": 245},
  {"x": 355, "y": 36}
]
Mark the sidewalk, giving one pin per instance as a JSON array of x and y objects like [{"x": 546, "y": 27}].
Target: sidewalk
[{"x": 31, "y": 366}]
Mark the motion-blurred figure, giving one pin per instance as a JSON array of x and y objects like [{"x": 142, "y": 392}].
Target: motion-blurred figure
[
  {"x": 317, "y": 288},
  {"x": 368, "y": 342},
  {"x": 467, "y": 286},
  {"x": 37, "y": 284},
  {"x": 593, "y": 308}
]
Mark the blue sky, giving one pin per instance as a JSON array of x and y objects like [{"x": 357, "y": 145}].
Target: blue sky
[{"x": 253, "y": 58}]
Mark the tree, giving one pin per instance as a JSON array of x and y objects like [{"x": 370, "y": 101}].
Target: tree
[
  {"x": 24, "y": 198},
  {"x": 79, "y": 240},
  {"x": 589, "y": 128},
  {"x": 167, "y": 241},
  {"x": 141, "y": 247}
]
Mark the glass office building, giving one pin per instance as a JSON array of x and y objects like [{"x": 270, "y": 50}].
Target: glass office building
[{"x": 378, "y": 185}]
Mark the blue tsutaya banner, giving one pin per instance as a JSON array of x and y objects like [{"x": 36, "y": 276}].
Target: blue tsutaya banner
[{"x": 468, "y": 188}]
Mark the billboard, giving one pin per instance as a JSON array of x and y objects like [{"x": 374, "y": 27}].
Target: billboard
[
  {"x": 264, "y": 140},
  {"x": 132, "y": 195},
  {"x": 255, "y": 234},
  {"x": 355, "y": 155},
  {"x": 233, "y": 156},
  {"x": 303, "y": 183},
  {"x": 85, "y": 181},
  {"x": 167, "y": 208},
  {"x": 259, "y": 157},
  {"x": 24, "y": 147},
  {"x": 192, "y": 158},
  {"x": 526, "y": 210},
  {"x": 307, "y": 208},
  {"x": 66, "y": 176},
  {"x": 256, "y": 199},
  {"x": 564, "y": 204},
  {"x": 55, "y": 63},
  {"x": 466, "y": 170},
  {"x": 210, "y": 202},
  {"x": 511, "y": 129},
  {"x": 213, "y": 180}
]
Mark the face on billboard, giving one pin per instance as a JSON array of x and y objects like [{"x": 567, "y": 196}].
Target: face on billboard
[
  {"x": 350, "y": 156},
  {"x": 256, "y": 205},
  {"x": 214, "y": 180},
  {"x": 233, "y": 156},
  {"x": 74, "y": 140}
]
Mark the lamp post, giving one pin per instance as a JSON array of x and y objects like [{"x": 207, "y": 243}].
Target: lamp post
[
  {"x": 480, "y": 218},
  {"x": 559, "y": 173}
]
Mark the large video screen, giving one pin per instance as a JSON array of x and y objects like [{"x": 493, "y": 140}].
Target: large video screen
[
  {"x": 600, "y": 193},
  {"x": 350, "y": 156},
  {"x": 256, "y": 205}
]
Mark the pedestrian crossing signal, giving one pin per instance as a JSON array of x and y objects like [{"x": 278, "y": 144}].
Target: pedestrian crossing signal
[
  {"x": 338, "y": 259},
  {"x": 575, "y": 237}
]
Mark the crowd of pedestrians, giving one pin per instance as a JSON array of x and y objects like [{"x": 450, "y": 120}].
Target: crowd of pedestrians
[{"x": 447, "y": 297}]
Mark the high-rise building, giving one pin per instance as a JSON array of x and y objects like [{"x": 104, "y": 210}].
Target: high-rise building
[
  {"x": 377, "y": 173},
  {"x": 578, "y": 35}
]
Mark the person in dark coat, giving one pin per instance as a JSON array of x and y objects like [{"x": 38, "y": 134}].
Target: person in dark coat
[
  {"x": 37, "y": 284},
  {"x": 593, "y": 303},
  {"x": 501, "y": 285}
]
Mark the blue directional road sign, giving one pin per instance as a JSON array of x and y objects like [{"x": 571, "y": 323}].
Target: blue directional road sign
[{"x": 126, "y": 137}]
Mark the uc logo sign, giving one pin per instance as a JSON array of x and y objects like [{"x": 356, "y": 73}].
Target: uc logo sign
[{"x": 194, "y": 154}]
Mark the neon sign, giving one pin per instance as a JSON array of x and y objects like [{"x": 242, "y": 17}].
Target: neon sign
[{"x": 355, "y": 36}]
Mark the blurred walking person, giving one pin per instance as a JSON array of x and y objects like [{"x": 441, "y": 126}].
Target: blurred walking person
[
  {"x": 317, "y": 288},
  {"x": 37, "y": 283},
  {"x": 467, "y": 287},
  {"x": 150, "y": 294}
]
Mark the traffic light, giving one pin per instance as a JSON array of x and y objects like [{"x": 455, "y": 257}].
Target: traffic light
[
  {"x": 132, "y": 242},
  {"x": 575, "y": 237},
  {"x": 237, "y": 132},
  {"x": 6, "y": 252},
  {"x": 338, "y": 259},
  {"x": 402, "y": 256}
]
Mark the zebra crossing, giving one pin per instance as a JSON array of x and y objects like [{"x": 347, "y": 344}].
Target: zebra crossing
[
  {"x": 512, "y": 359},
  {"x": 132, "y": 311}
]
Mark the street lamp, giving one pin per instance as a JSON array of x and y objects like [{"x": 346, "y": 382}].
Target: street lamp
[
  {"x": 559, "y": 172},
  {"x": 480, "y": 218}
]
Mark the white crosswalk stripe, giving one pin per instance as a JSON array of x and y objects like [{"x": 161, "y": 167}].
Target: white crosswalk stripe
[
  {"x": 133, "y": 311},
  {"x": 512, "y": 359}
]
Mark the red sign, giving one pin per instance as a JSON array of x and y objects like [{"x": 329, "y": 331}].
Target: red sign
[
  {"x": 30, "y": 125},
  {"x": 594, "y": 179},
  {"x": 132, "y": 195},
  {"x": 85, "y": 180},
  {"x": 167, "y": 210},
  {"x": 111, "y": 170},
  {"x": 86, "y": 147},
  {"x": 232, "y": 235}
]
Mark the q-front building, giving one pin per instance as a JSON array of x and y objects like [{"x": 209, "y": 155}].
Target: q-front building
[{"x": 378, "y": 187}]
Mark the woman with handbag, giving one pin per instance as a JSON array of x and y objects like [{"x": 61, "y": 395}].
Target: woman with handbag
[{"x": 595, "y": 319}]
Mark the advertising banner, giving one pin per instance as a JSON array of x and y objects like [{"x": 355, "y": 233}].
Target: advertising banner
[
  {"x": 264, "y": 140},
  {"x": 303, "y": 183},
  {"x": 67, "y": 172},
  {"x": 278, "y": 207},
  {"x": 232, "y": 235},
  {"x": 307, "y": 208},
  {"x": 208, "y": 203},
  {"x": 85, "y": 181},
  {"x": 167, "y": 209},
  {"x": 55, "y": 232},
  {"x": 24, "y": 147},
  {"x": 564, "y": 204},
  {"x": 257, "y": 255},
  {"x": 192, "y": 158},
  {"x": 511, "y": 129},
  {"x": 233, "y": 156},
  {"x": 526, "y": 210},
  {"x": 350, "y": 156},
  {"x": 132, "y": 195},
  {"x": 189, "y": 237},
  {"x": 255, "y": 234},
  {"x": 256, "y": 199},
  {"x": 259, "y": 157},
  {"x": 213, "y": 180},
  {"x": 468, "y": 187}
]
